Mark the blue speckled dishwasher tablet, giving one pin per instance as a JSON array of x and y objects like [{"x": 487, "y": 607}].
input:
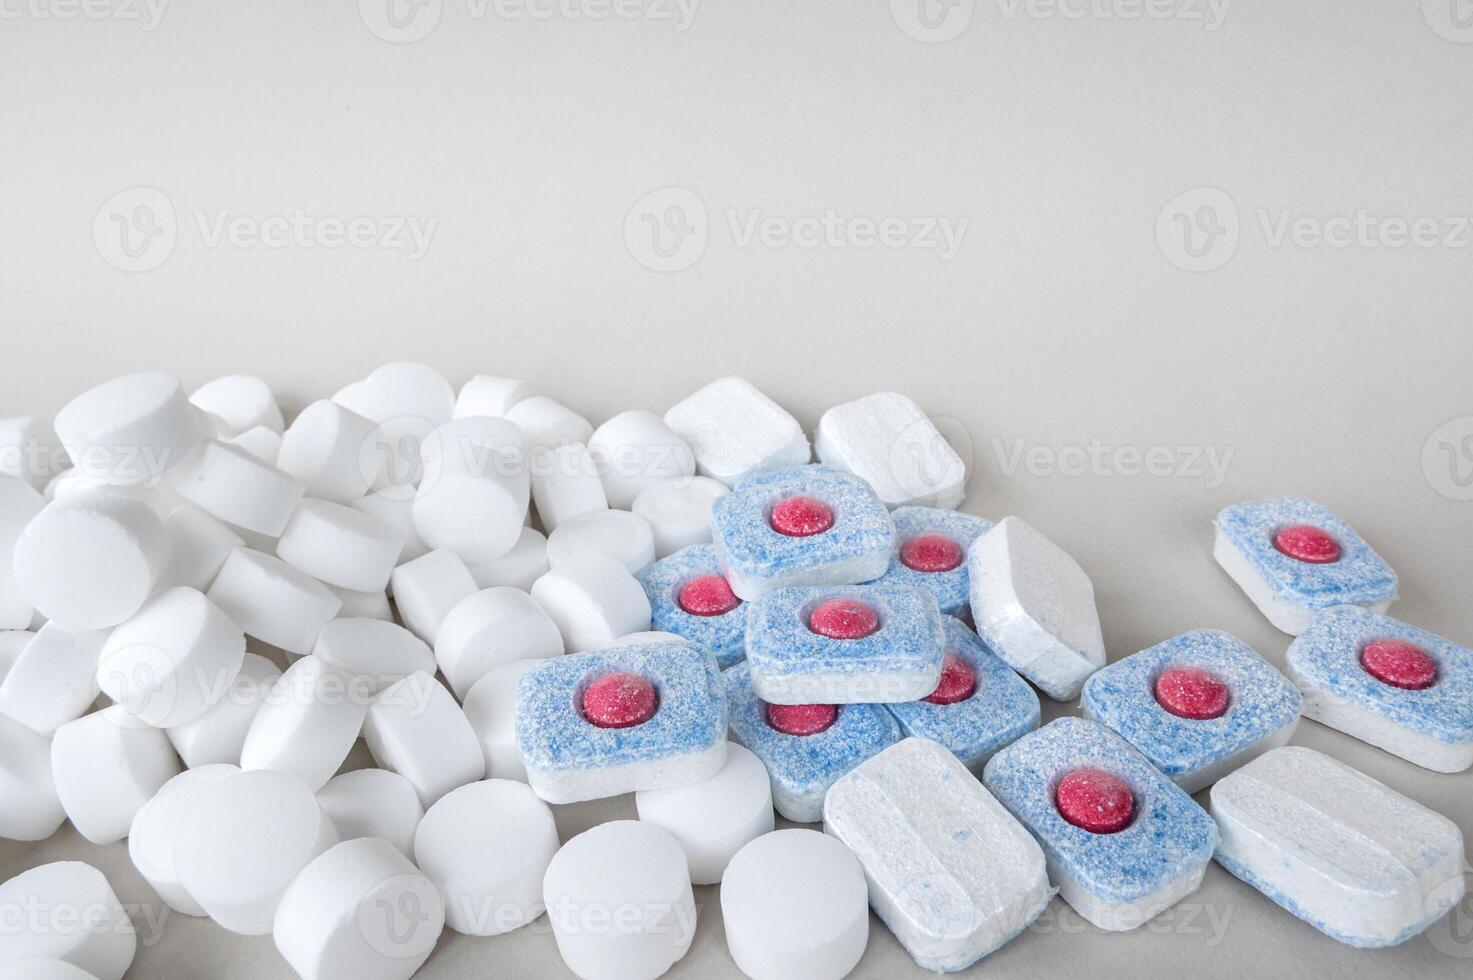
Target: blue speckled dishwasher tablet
[
  {"x": 950, "y": 588},
  {"x": 724, "y": 635}
]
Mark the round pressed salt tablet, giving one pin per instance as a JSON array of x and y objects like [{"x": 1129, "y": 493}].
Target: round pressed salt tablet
[
  {"x": 594, "y": 600},
  {"x": 30, "y": 451},
  {"x": 416, "y": 728},
  {"x": 405, "y": 389},
  {"x": 493, "y": 626},
  {"x": 106, "y": 766},
  {"x": 12, "y": 642},
  {"x": 636, "y": 450},
  {"x": 398, "y": 513},
  {"x": 616, "y": 533},
  {"x": 151, "y": 837},
  {"x": 323, "y": 449},
  {"x": 679, "y": 512},
  {"x": 18, "y": 496},
  {"x": 427, "y": 588},
  {"x": 548, "y": 423},
  {"x": 491, "y": 708},
  {"x": 242, "y": 843},
  {"x": 524, "y": 564},
  {"x": 198, "y": 547},
  {"x": 54, "y": 680},
  {"x": 491, "y": 396},
  {"x": 242, "y": 401},
  {"x": 89, "y": 560},
  {"x": 380, "y": 653},
  {"x": 477, "y": 517},
  {"x": 350, "y": 396},
  {"x": 307, "y": 724},
  {"x": 477, "y": 446},
  {"x": 260, "y": 442},
  {"x": 717, "y": 817},
  {"x": 363, "y": 605},
  {"x": 339, "y": 545},
  {"x": 171, "y": 660},
  {"x": 487, "y": 846},
  {"x": 16, "y": 610},
  {"x": 218, "y": 734},
  {"x": 273, "y": 601},
  {"x": 129, "y": 430},
  {"x": 624, "y": 872},
  {"x": 233, "y": 485},
  {"x": 565, "y": 483},
  {"x": 43, "y": 968},
  {"x": 373, "y": 803},
  {"x": 359, "y": 910},
  {"x": 82, "y": 924},
  {"x": 29, "y": 806},
  {"x": 795, "y": 904}
]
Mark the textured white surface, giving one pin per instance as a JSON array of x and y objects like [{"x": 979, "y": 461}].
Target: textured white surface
[
  {"x": 491, "y": 707},
  {"x": 636, "y": 450},
  {"x": 218, "y": 734},
  {"x": 887, "y": 441},
  {"x": 617, "y": 533},
  {"x": 54, "y": 679},
  {"x": 156, "y": 824},
  {"x": 426, "y": 588},
  {"x": 735, "y": 430},
  {"x": 340, "y": 546},
  {"x": 416, "y": 728},
  {"x": 104, "y": 949},
  {"x": 679, "y": 513},
  {"x": 1286, "y": 616},
  {"x": 107, "y": 765},
  {"x": 566, "y": 484},
  {"x": 519, "y": 567},
  {"x": 310, "y": 718},
  {"x": 129, "y": 430},
  {"x": 378, "y": 651},
  {"x": 228, "y": 482},
  {"x": 273, "y": 601},
  {"x": 373, "y": 803},
  {"x": 594, "y": 600},
  {"x": 493, "y": 627}
]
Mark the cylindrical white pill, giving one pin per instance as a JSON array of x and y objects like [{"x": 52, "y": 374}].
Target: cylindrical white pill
[
  {"x": 323, "y": 448},
  {"x": 490, "y": 396},
  {"x": 679, "y": 512},
  {"x": 340, "y": 545},
  {"x": 477, "y": 517},
  {"x": 198, "y": 547},
  {"x": 486, "y": 846},
  {"x": 129, "y": 430},
  {"x": 548, "y": 423},
  {"x": 242, "y": 401},
  {"x": 397, "y": 512},
  {"x": 106, "y": 766},
  {"x": 233, "y": 485},
  {"x": 524, "y": 564},
  {"x": 636, "y": 450},
  {"x": 427, "y": 588},
  {"x": 95, "y": 935},
  {"x": 620, "y": 903},
  {"x": 406, "y": 401},
  {"x": 491, "y": 627},
  {"x": 218, "y": 734},
  {"x": 477, "y": 446},
  {"x": 381, "y": 653},
  {"x": 416, "y": 728},
  {"x": 89, "y": 560},
  {"x": 30, "y": 452},
  {"x": 491, "y": 708},
  {"x": 594, "y": 600},
  {"x": 565, "y": 483},
  {"x": 273, "y": 601},
  {"x": 616, "y": 533},
  {"x": 29, "y": 806},
  {"x": 373, "y": 803},
  {"x": 795, "y": 906},
  {"x": 717, "y": 817},
  {"x": 308, "y": 723},
  {"x": 54, "y": 680},
  {"x": 151, "y": 836},
  {"x": 259, "y": 441},
  {"x": 241, "y": 845}
]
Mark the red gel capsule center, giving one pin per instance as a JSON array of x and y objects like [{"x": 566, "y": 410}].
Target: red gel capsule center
[
  {"x": 709, "y": 595},
  {"x": 1094, "y": 800},
  {"x": 931, "y": 553},
  {"x": 1192, "y": 693},
  {"x": 801, "y": 517},
  {"x": 958, "y": 681},
  {"x": 1399, "y": 664},
  {"x": 802, "y": 719},
  {"x": 619, "y": 701},
  {"x": 1307, "y": 543},
  {"x": 843, "y": 619}
]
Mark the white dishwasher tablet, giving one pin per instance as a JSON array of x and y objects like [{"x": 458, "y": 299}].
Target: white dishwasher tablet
[
  {"x": 888, "y": 442},
  {"x": 714, "y": 818},
  {"x": 373, "y": 803},
  {"x": 105, "y": 949},
  {"x": 735, "y": 430},
  {"x": 155, "y": 826}
]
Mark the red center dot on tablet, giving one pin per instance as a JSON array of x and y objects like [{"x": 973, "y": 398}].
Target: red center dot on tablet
[
  {"x": 1400, "y": 664},
  {"x": 619, "y": 701},
  {"x": 958, "y": 681},
  {"x": 1094, "y": 800},
  {"x": 709, "y": 595},
  {"x": 801, "y": 719},
  {"x": 931, "y": 553},
  {"x": 1307, "y": 543},
  {"x": 1192, "y": 693},
  {"x": 801, "y": 517},
  {"x": 843, "y": 619}
]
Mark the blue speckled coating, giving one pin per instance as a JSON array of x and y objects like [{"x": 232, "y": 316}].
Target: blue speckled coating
[
  {"x": 803, "y": 767},
  {"x": 553, "y": 736},
  {"x": 950, "y": 588},
  {"x": 1171, "y": 837},
  {"x": 747, "y": 544},
  {"x": 1328, "y": 655},
  {"x": 724, "y": 636},
  {"x": 1360, "y": 576},
  {"x": 1002, "y": 708},
  {"x": 1260, "y": 701},
  {"x": 780, "y": 644}
]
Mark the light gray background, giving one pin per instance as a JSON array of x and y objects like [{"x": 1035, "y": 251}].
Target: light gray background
[{"x": 1062, "y": 321}]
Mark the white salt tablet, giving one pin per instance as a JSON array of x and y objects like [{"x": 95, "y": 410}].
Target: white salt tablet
[
  {"x": 241, "y": 845},
  {"x": 478, "y": 517},
  {"x": 735, "y": 430},
  {"x": 16, "y": 610},
  {"x": 795, "y": 906},
  {"x": 350, "y": 396},
  {"x": 407, "y": 390},
  {"x": 29, "y": 806},
  {"x": 619, "y": 534},
  {"x": 491, "y": 627},
  {"x": 565, "y": 483},
  {"x": 373, "y": 803},
  {"x": 491, "y": 396},
  {"x": 242, "y": 401},
  {"x": 491, "y": 708},
  {"x": 594, "y": 600},
  {"x": 416, "y": 728},
  {"x": 12, "y": 642},
  {"x": 218, "y": 734},
  {"x": 260, "y": 442},
  {"x": 324, "y": 449},
  {"x": 339, "y": 545},
  {"x": 129, "y": 430},
  {"x": 427, "y": 588},
  {"x": 104, "y": 948},
  {"x": 548, "y": 423},
  {"x": 155, "y": 826},
  {"x": 198, "y": 547},
  {"x": 363, "y": 605},
  {"x": 475, "y": 445},
  {"x": 715, "y": 818},
  {"x": 30, "y": 452},
  {"x": 307, "y": 724},
  {"x": 636, "y": 450},
  {"x": 888, "y": 442},
  {"x": 379, "y": 652},
  {"x": 524, "y": 564},
  {"x": 43, "y": 968},
  {"x": 679, "y": 512},
  {"x": 231, "y": 484},
  {"x": 18, "y": 496},
  {"x": 89, "y": 560},
  {"x": 486, "y": 846},
  {"x": 54, "y": 680},
  {"x": 634, "y": 872},
  {"x": 359, "y": 910},
  {"x": 106, "y": 766},
  {"x": 171, "y": 660},
  {"x": 397, "y": 511},
  {"x": 273, "y": 601}
]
